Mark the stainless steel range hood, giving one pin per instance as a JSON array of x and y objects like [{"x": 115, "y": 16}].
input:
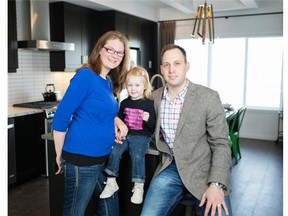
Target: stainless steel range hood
[{"x": 34, "y": 25}]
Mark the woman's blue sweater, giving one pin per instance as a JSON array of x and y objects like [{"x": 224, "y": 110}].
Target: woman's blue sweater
[{"x": 87, "y": 113}]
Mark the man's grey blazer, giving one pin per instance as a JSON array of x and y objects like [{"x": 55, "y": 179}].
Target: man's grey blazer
[{"x": 202, "y": 148}]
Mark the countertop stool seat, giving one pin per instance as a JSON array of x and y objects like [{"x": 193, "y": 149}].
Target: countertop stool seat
[{"x": 190, "y": 207}]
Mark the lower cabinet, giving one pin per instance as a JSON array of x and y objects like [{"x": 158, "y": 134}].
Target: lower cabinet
[
  {"x": 29, "y": 147},
  {"x": 56, "y": 184}
]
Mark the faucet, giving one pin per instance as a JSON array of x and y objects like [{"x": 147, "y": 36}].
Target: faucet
[{"x": 159, "y": 76}]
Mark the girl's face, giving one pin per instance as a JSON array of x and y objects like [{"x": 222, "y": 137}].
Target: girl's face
[
  {"x": 135, "y": 87},
  {"x": 111, "y": 55}
]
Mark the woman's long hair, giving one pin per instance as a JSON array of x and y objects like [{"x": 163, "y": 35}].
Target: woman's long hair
[{"x": 118, "y": 74}]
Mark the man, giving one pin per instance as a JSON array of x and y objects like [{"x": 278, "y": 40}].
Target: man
[{"x": 192, "y": 135}]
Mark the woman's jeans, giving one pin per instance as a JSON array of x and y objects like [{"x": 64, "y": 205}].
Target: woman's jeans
[
  {"x": 166, "y": 191},
  {"x": 137, "y": 147},
  {"x": 83, "y": 182}
]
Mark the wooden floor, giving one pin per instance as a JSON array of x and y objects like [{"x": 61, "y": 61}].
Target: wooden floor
[
  {"x": 257, "y": 179},
  {"x": 257, "y": 184}
]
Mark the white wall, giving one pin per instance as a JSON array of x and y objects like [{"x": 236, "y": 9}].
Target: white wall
[{"x": 260, "y": 124}]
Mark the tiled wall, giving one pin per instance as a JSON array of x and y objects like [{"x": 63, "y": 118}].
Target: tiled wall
[{"x": 31, "y": 78}]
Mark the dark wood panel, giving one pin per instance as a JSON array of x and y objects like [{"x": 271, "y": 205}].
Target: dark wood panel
[
  {"x": 141, "y": 33},
  {"x": 12, "y": 38},
  {"x": 73, "y": 24},
  {"x": 30, "y": 148}
]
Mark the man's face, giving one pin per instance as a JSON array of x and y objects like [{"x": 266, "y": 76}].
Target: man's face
[{"x": 174, "y": 68}]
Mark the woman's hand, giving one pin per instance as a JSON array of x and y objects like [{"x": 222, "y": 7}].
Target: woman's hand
[
  {"x": 59, "y": 138},
  {"x": 60, "y": 170},
  {"x": 121, "y": 130}
]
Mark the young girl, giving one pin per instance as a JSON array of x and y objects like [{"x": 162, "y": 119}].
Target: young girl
[{"x": 137, "y": 111}]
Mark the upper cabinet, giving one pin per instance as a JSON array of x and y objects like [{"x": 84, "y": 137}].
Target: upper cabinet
[
  {"x": 12, "y": 37},
  {"x": 141, "y": 33},
  {"x": 72, "y": 24},
  {"x": 83, "y": 27},
  {"x": 126, "y": 24}
]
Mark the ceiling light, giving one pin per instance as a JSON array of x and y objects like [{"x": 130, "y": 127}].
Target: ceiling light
[{"x": 204, "y": 20}]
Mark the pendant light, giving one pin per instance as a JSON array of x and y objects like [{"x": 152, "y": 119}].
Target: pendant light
[{"x": 204, "y": 16}]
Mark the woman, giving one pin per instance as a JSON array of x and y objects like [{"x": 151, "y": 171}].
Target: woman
[{"x": 85, "y": 123}]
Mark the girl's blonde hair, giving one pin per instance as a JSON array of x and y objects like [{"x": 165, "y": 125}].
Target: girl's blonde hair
[
  {"x": 141, "y": 72},
  {"x": 118, "y": 74}
]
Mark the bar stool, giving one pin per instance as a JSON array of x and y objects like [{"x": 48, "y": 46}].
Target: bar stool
[
  {"x": 234, "y": 129},
  {"x": 190, "y": 206}
]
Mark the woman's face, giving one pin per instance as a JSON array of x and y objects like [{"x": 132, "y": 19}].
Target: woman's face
[{"x": 111, "y": 55}]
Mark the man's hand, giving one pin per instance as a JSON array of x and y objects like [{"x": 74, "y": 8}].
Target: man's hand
[{"x": 214, "y": 198}]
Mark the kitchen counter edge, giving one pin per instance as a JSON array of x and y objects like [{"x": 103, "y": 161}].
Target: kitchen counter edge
[
  {"x": 151, "y": 151},
  {"x": 20, "y": 111}
]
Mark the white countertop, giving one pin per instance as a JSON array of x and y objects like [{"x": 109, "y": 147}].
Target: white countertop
[{"x": 20, "y": 111}]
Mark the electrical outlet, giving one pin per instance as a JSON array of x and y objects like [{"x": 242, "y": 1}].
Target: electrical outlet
[{"x": 150, "y": 64}]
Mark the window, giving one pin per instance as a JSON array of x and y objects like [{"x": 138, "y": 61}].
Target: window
[
  {"x": 227, "y": 70},
  {"x": 264, "y": 69},
  {"x": 197, "y": 56},
  {"x": 245, "y": 71}
]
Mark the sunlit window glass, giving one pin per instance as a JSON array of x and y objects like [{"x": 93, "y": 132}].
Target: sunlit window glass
[
  {"x": 197, "y": 56},
  {"x": 245, "y": 71},
  {"x": 227, "y": 70},
  {"x": 264, "y": 70}
]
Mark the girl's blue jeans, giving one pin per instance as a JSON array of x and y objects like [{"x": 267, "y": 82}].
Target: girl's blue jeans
[{"x": 137, "y": 147}]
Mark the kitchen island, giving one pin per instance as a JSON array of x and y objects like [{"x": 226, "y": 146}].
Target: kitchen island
[{"x": 56, "y": 182}]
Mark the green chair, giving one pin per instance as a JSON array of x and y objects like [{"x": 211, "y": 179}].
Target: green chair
[{"x": 234, "y": 123}]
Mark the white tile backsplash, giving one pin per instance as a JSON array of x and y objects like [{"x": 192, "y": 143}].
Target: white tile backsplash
[{"x": 29, "y": 82}]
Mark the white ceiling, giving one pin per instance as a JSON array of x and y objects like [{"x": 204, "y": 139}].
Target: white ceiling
[{"x": 160, "y": 10}]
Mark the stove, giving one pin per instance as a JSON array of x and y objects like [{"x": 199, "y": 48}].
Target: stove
[{"x": 49, "y": 107}]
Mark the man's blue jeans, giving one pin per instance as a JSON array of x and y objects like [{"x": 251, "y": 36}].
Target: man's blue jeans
[
  {"x": 166, "y": 191},
  {"x": 83, "y": 182},
  {"x": 137, "y": 147}
]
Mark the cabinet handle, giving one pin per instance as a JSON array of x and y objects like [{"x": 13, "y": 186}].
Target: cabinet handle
[
  {"x": 10, "y": 126},
  {"x": 84, "y": 59}
]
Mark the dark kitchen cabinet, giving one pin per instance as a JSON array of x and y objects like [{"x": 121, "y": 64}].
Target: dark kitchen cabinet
[
  {"x": 148, "y": 46},
  {"x": 141, "y": 33},
  {"x": 29, "y": 147},
  {"x": 73, "y": 24},
  {"x": 130, "y": 26},
  {"x": 11, "y": 152},
  {"x": 12, "y": 38}
]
